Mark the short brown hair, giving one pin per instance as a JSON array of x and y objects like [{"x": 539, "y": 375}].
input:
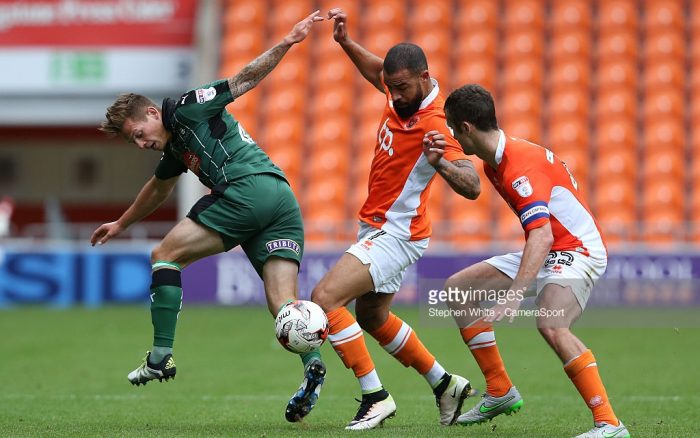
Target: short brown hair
[
  {"x": 474, "y": 104},
  {"x": 127, "y": 106}
]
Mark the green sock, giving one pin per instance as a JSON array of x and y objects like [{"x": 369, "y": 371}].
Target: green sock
[
  {"x": 158, "y": 354},
  {"x": 308, "y": 357},
  {"x": 166, "y": 302}
]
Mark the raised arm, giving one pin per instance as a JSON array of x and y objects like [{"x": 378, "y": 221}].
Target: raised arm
[
  {"x": 369, "y": 64},
  {"x": 151, "y": 196},
  {"x": 459, "y": 174},
  {"x": 251, "y": 75}
]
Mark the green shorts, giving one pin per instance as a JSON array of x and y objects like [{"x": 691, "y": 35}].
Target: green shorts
[{"x": 258, "y": 212}]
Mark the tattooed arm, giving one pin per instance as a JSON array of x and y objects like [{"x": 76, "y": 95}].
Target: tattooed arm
[
  {"x": 253, "y": 73},
  {"x": 461, "y": 176}
]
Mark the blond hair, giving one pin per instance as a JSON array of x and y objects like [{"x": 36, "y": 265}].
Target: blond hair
[{"x": 127, "y": 106}]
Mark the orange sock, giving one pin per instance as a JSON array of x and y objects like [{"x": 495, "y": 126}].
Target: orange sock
[
  {"x": 345, "y": 335},
  {"x": 583, "y": 372},
  {"x": 399, "y": 340},
  {"x": 482, "y": 343}
]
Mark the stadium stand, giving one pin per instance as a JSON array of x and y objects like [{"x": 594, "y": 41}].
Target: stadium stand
[{"x": 611, "y": 86}]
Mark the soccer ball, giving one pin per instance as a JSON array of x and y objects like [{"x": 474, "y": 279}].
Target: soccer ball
[{"x": 301, "y": 326}]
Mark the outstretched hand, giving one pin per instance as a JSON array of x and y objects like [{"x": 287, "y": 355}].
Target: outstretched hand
[
  {"x": 105, "y": 232},
  {"x": 340, "y": 32},
  {"x": 300, "y": 30},
  {"x": 434, "y": 147}
]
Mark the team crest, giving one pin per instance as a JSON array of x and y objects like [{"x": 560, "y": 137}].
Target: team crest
[
  {"x": 281, "y": 244},
  {"x": 191, "y": 161},
  {"x": 522, "y": 186},
  {"x": 412, "y": 122}
]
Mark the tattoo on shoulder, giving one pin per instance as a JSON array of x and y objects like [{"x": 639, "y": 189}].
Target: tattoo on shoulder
[{"x": 463, "y": 163}]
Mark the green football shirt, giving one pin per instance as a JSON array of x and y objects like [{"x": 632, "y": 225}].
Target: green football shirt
[{"x": 208, "y": 141}]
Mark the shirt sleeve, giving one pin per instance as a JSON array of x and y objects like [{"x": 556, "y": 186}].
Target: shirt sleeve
[
  {"x": 529, "y": 191},
  {"x": 169, "y": 167},
  {"x": 205, "y": 102}
]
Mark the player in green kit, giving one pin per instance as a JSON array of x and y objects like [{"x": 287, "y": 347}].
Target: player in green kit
[{"x": 250, "y": 204}]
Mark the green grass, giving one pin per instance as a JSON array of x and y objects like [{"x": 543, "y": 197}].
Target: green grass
[{"x": 63, "y": 373}]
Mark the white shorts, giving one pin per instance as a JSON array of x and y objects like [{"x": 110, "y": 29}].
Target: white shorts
[
  {"x": 565, "y": 268},
  {"x": 387, "y": 256}
]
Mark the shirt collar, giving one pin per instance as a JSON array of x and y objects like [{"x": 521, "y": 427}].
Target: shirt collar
[
  {"x": 501, "y": 146},
  {"x": 430, "y": 97},
  {"x": 169, "y": 106}
]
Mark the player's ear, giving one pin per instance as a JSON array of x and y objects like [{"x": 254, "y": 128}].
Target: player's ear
[
  {"x": 153, "y": 112},
  {"x": 467, "y": 127}
]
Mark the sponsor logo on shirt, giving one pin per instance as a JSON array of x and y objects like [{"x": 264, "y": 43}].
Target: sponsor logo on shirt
[
  {"x": 205, "y": 94},
  {"x": 522, "y": 186},
  {"x": 282, "y": 244}
]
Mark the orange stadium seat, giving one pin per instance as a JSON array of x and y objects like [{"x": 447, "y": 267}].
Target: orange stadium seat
[
  {"x": 667, "y": 43},
  {"x": 332, "y": 160},
  {"x": 570, "y": 14},
  {"x": 245, "y": 43},
  {"x": 664, "y": 227},
  {"x": 471, "y": 222},
  {"x": 614, "y": 103},
  {"x": 570, "y": 43},
  {"x": 293, "y": 71},
  {"x": 617, "y": 73},
  {"x": 569, "y": 132},
  {"x": 435, "y": 14},
  {"x": 245, "y": 14},
  {"x": 332, "y": 100},
  {"x": 521, "y": 101},
  {"x": 615, "y": 193},
  {"x": 663, "y": 14},
  {"x": 282, "y": 130},
  {"x": 383, "y": 15},
  {"x": 477, "y": 15},
  {"x": 476, "y": 44},
  {"x": 567, "y": 103},
  {"x": 351, "y": 7},
  {"x": 666, "y": 102},
  {"x": 288, "y": 159},
  {"x": 618, "y": 43},
  {"x": 323, "y": 224},
  {"x": 331, "y": 131},
  {"x": 565, "y": 74},
  {"x": 664, "y": 73},
  {"x": 286, "y": 13},
  {"x": 436, "y": 43},
  {"x": 664, "y": 164},
  {"x": 507, "y": 228},
  {"x": 480, "y": 71},
  {"x": 663, "y": 194},
  {"x": 523, "y": 126},
  {"x": 618, "y": 14},
  {"x": 616, "y": 133},
  {"x": 618, "y": 225},
  {"x": 522, "y": 43},
  {"x": 578, "y": 162},
  {"x": 379, "y": 41},
  {"x": 616, "y": 162},
  {"x": 325, "y": 189},
  {"x": 521, "y": 14},
  {"x": 249, "y": 122},
  {"x": 526, "y": 72},
  {"x": 664, "y": 133},
  {"x": 287, "y": 99},
  {"x": 334, "y": 70}
]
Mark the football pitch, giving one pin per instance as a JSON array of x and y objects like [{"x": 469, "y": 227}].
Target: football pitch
[{"x": 63, "y": 373}]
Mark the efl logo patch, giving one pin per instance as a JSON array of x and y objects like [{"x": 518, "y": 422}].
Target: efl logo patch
[
  {"x": 280, "y": 244},
  {"x": 205, "y": 94},
  {"x": 522, "y": 186}
]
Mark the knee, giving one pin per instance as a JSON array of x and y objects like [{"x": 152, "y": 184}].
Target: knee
[
  {"x": 322, "y": 296},
  {"x": 454, "y": 283},
  {"x": 158, "y": 253}
]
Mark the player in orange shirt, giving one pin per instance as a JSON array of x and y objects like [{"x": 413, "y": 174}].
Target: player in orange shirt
[
  {"x": 563, "y": 257},
  {"x": 394, "y": 230}
]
